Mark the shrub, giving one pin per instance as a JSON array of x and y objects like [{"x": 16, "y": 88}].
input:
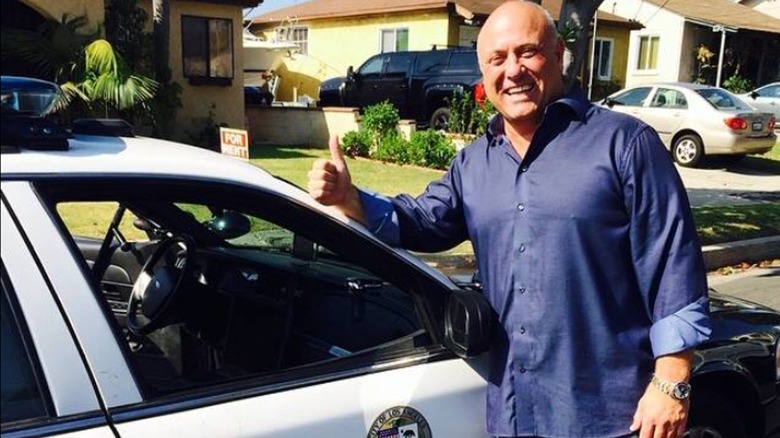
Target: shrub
[
  {"x": 392, "y": 148},
  {"x": 737, "y": 84},
  {"x": 467, "y": 116},
  {"x": 380, "y": 119},
  {"x": 356, "y": 143},
  {"x": 430, "y": 149}
]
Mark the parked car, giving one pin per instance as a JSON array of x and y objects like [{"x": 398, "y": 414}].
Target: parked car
[
  {"x": 419, "y": 83},
  {"x": 696, "y": 120},
  {"x": 155, "y": 289},
  {"x": 766, "y": 98}
]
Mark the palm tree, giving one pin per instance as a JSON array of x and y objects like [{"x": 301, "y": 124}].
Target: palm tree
[{"x": 86, "y": 67}]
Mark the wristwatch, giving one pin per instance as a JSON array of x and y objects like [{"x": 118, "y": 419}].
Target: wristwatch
[{"x": 676, "y": 390}]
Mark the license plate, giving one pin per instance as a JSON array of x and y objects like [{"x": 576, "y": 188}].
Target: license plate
[{"x": 757, "y": 126}]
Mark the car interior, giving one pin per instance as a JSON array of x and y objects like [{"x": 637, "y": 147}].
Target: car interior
[{"x": 205, "y": 291}]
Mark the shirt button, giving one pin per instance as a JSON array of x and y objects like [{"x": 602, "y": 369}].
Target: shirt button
[
  {"x": 522, "y": 290},
  {"x": 520, "y": 207},
  {"x": 522, "y": 330},
  {"x": 522, "y": 248},
  {"x": 524, "y": 169},
  {"x": 522, "y": 370}
]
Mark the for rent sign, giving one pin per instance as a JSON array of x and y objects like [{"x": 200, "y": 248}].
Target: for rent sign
[{"x": 234, "y": 142}]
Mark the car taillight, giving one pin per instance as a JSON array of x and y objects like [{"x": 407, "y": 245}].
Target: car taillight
[
  {"x": 479, "y": 94},
  {"x": 736, "y": 123},
  {"x": 771, "y": 124}
]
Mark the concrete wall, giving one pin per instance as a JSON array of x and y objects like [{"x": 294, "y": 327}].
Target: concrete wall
[
  {"x": 197, "y": 100},
  {"x": 335, "y": 44},
  {"x": 298, "y": 126},
  {"x": 94, "y": 10}
]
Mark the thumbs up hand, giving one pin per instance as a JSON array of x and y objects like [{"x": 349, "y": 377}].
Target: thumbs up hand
[{"x": 331, "y": 184}]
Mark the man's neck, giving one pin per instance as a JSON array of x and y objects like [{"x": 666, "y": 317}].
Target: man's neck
[{"x": 520, "y": 135}]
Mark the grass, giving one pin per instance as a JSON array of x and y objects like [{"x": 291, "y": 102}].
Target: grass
[{"x": 715, "y": 224}]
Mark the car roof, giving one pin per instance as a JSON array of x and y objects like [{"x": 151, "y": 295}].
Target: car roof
[{"x": 103, "y": 155}]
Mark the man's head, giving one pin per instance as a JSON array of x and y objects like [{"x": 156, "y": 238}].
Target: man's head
[{"x": 520, "y": 56}]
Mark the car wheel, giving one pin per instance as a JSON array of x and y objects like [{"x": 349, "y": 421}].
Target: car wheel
[
  {"x": 712, "y": 416},
  {"x": 688, "y": 150},
  {"x": 440, "y": 119}
]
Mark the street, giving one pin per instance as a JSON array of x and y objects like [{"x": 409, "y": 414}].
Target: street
[{"x": 758, "y": 284}]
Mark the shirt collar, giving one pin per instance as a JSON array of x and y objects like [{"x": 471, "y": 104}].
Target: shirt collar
[{"x": 574, "y": 100}]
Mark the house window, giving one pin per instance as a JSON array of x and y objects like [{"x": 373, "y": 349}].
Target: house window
[
  {"x": 298, "y": 35},
  {"x": 207, "y": 48},
  {"x": 602, "y": 58},
  {"x": 648, "y": 53},
  {"x": 394, "y": 40}
]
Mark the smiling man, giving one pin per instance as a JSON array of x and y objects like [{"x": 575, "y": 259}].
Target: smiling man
[{"x": 584, "y": 240}]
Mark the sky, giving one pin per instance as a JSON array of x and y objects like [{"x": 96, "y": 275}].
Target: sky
[{"x": 270, "y": 5}]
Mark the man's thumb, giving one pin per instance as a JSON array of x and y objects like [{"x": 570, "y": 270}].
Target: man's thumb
[{"x": 336, "y": 156}]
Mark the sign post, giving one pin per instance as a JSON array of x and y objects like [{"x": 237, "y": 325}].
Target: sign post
[{"x": 234, "y": 142}]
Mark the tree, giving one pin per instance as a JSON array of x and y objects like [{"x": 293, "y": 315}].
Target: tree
[{"x": 86, "y": 67}]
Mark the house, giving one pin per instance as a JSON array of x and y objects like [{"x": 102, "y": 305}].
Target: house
[
  {"x": 691, "y": 34},
  {"x": 335, "y": 34},
  {"x": 204, "y": 52},
  {"x": 768, "y": 7}
]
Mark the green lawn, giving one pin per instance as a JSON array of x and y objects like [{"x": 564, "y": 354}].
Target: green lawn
[{"x": 715, "y": 224}]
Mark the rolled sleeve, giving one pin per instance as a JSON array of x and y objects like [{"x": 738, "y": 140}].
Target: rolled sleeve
[
  {"x": 682, "y": 330},
  {"x": 381, "y": 218}
]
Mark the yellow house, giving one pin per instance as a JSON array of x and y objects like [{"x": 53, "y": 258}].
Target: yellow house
[
  {"x": 335, "y": 34},
  {"x": 205, "y": 52}
]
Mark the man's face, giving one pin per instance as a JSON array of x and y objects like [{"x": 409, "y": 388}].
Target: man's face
[{"x": 520, "y": 60}]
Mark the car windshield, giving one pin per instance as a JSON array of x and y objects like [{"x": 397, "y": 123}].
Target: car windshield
[
  {"x": 722, "y": 99},
  {"x": 27, "y": 96}
]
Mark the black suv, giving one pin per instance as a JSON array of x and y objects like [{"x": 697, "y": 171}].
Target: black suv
[{"x": 417, "y": 83}]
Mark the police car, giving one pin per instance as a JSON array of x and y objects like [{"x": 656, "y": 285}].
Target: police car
[{"x": 218, "y": 300}]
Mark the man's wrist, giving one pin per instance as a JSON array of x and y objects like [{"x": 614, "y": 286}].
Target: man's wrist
[{"x": 678, "y": 390}]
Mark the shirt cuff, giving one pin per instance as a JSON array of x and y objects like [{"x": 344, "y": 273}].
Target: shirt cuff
[
  {"x": 380, "y": 216},
  {"x": 683, "y": 330}
]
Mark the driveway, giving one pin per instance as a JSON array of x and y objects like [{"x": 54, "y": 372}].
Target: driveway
[{"x": 747, "y": 182}]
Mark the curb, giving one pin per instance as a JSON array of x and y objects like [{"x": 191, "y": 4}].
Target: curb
[{"x": 715, "y": 256}]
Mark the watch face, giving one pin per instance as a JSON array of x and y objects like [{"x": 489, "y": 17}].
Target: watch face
[{"x": 681, "y": 391}]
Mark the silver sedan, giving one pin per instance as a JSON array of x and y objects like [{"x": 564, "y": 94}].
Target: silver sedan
[{"x": 696, "y": 120}]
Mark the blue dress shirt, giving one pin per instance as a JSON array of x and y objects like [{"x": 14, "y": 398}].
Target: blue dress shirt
[{"x": 587, "y": 250}]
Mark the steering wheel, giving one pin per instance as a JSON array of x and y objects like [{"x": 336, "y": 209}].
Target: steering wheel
[{"x": 157, "y": 288}]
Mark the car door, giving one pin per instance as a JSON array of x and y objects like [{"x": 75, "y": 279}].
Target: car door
[
  {"x": 365, "y": 87},
  {"x": 46, "y": 389},
  {"x": 359, "y": 351},
  {"x": 665, "y": 112},
  {"x": 395, "y": 81}
]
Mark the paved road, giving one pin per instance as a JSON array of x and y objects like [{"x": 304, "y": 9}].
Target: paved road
[
  {"x": 760, "y": 285},
  {"x": 718, "y": 184}
]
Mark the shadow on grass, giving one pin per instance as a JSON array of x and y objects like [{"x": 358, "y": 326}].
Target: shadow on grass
[
  {"x": 280, "y": 153},
  {"x": 746, "y": 166},
  {"x": 737, "y": 222}
]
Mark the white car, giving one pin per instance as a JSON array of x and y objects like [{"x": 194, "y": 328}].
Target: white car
[
  {"x": 766, "y": 98},
  {"x": 695, "y": 120},
  {"x": 219, "y": 301}
]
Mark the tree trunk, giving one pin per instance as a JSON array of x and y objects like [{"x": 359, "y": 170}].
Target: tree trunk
[
  {"x": 576, "y": 15},
  {"x": 161, "y": 12}
]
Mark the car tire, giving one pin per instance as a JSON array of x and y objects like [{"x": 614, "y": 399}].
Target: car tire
[
  {"x": 688, "y": 150},
  {"x": 440, "y": 119},
  {"x": 712, "y": 416}
]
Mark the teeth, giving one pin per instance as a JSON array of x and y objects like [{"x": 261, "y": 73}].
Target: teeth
[{"x": 521, "y": 89}]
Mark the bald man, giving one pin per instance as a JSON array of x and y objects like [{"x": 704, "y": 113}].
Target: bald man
[{"x": 584, "y": 240}]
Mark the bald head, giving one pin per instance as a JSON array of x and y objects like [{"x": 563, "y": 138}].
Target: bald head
[{"x": 520, "y": 56}]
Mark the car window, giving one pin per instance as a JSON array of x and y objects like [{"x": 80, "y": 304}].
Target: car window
[
  {"x": 431, "y": 62},
  {"x": 632, "y": 97},
  {"x": 21, "y": 397},
  {"x": 269, "y": 292},
  {"x": 399, "y": 64},
  {"x": 722, "y": 99},
  {"x": 769, "y": 91},
  {"x": 373, "y": 66},
  {"x": 668, "y": 98},
  {"x": 463, "y": 61}
]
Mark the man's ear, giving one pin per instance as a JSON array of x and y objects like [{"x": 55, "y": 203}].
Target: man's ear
[{"x": 560, "y": 48}]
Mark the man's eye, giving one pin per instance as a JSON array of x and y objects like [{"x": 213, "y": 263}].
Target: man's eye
[
  {"x": 529, "y": 52},
  {"x": 496, "y": 61}
]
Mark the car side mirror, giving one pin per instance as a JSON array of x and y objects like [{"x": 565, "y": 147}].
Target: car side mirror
[
  {"x": 753, "y": 95},
  {"x": 350, "y": 74},
  {"x": 469, "y": 323},
  {"x": 609, "y": 102}
]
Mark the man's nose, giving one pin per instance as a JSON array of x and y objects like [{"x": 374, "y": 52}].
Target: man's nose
[{"x": 515, "y": 66}]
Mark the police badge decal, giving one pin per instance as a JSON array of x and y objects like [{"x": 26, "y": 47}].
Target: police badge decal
[{"x": 400, "y": 422}]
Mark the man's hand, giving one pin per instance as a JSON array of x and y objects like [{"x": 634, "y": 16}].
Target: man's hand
[
  {"x": 659, "y": 415},
  {"x": 331, "y": 184}
]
